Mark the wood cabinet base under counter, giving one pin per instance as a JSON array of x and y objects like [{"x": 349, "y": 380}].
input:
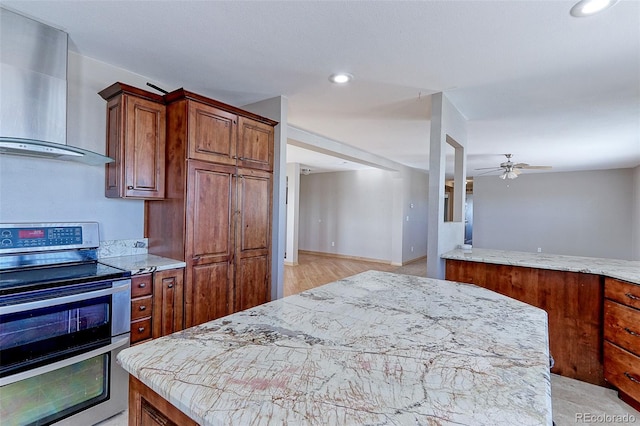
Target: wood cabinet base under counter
[{"x": 572, "y": 300}]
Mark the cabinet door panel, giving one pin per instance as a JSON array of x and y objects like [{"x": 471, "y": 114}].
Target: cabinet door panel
[
  {"x": 209, "y": 293},
  {"x": 255, "y": 144},
  {"x": 167, "y": 302},
  {"x": 210, "y": 215},
  {"x": 252, "y": 282},
  {"x": 212, "y": 134},
  {"x": 145, "y": 150},
  {"x": 253, "y": 239},
  {"x": 254, "y": 205}
]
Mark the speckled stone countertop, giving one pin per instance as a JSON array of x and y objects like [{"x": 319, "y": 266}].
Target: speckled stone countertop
[
  {"x": 375, "y": 348},
  {"x": 142, "y": 263},
  {"x": 627, "y": 270}
]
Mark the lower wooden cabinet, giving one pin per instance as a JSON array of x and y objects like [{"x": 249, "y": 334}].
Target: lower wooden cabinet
[
  {"x": 156, "y": 304},
  {"x": 147, "y": 408},
  {"x": 622, "y": 339},
  {"x": 573, "y": 302}
]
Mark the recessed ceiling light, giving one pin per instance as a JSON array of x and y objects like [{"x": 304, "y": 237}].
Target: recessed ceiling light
[
  {"x": 590, "y": 7},
  {"x": 340, "y": 78}
]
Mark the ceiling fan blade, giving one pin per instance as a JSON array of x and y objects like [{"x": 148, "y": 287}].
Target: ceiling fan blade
[
  {"x": 521, "y": 165},
  {"x": 490, "y": 171},
  {"x": 537, "y": 167},
  {"x": 489, "y": 168},
  {"x": 517, "y": 171}
]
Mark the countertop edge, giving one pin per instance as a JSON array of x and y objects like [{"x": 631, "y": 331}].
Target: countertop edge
[
  {"x": 613, "y": 268},
  {"x": 143, "y": 263}
]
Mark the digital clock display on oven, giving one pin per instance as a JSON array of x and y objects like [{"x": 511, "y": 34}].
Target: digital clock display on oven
[{"x": 31, "y": 233}]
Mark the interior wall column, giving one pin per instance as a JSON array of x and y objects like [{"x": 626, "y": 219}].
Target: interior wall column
[
  {"x": 448, "y": 126},
  {"x": 293, "y": 213}
]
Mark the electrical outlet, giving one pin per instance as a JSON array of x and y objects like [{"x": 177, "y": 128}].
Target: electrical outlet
[
  {"x": 411, "y": 249},
  {"x": 539, "y": 249},
  {"x": 333, "y": 243}
]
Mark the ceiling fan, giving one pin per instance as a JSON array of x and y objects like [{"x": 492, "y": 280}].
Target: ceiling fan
[{"x": 511, "y": 170}]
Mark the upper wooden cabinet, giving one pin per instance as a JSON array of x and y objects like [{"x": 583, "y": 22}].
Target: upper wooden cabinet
[
  {"x": 255, "y": 144},
  {"x": 136, "y": 129},
  {"x": 212, "y": 133},
  {"x": 222, "y": 134}
]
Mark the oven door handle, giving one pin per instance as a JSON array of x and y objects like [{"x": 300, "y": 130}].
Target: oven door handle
[
  {"x": 115, "y": 344},
  {"x": 118, "y": 286}
]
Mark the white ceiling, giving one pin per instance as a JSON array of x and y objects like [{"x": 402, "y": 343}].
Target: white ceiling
[{"x": 532, "y": 80}]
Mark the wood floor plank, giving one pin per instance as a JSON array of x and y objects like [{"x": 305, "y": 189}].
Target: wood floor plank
[{"x": 314, "y": 270}]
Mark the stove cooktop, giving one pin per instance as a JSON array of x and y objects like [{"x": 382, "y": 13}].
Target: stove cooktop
[{"x": 41, "y": 277}]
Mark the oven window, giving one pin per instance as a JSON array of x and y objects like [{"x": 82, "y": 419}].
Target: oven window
[
  {"x": 36, "y": 337},
  {"x": 51, "y": 396}
]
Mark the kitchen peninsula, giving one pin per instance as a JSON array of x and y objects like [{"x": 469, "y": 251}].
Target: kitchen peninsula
[
  {"x": 593, "y": 306},
  {"x": 369, "y": 349}
]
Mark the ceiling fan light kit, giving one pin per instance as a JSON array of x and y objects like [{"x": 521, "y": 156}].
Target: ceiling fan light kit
[{"x": 586, "y": 8}]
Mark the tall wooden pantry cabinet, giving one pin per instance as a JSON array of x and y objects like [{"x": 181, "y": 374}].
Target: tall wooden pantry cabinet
[{"x": 217, "y": 212}]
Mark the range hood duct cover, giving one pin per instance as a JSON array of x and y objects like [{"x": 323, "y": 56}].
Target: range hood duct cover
[{"x": 33, "y": 91}]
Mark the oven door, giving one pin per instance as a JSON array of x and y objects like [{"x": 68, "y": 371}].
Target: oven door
[
  {"x": 42, "y": 327},
  {"x": 80, "y": 390}
]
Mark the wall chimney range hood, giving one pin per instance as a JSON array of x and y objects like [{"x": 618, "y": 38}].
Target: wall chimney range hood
[{"x": 33, "y": 91}]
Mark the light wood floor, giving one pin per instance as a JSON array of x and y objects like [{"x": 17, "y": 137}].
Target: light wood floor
[{"x": 313, "y": 270}]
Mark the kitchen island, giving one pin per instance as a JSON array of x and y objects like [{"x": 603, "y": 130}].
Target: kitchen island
[
  {"x": 593, "y": 306},
  {"x": 375, "y": 348}
]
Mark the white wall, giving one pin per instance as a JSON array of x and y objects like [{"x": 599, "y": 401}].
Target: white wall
[
  {"x": 44, "y": 190},
  {"x": 574, "y": 213},
  {"x": 414, "y": 233},
  {"x": 636, "y": 213},
  {"x": 351, "y": 209}
]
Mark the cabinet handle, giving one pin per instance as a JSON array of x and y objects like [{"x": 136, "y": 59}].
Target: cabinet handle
[
  {"x": 630, "y": 377},
  {"x": 631, "y": 332},
  {"x": 142, "y": 308},
  {"x": 142, "y": 285},
  {"x": 632, "y": 296},
  {"x": 140, "y": 329},
  {"x": 130, "y": 187},
  {"x": 170, "y": 286}
]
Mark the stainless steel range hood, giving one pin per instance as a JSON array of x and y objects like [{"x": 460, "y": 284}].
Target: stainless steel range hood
[{"x": 33, "y": 91}]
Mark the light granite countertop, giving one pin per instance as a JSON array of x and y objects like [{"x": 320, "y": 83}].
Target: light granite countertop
[
  {"x": 142, "y": 263},
  {"x": 375, "y": 348},
  {"x": 627, "y": 270}
]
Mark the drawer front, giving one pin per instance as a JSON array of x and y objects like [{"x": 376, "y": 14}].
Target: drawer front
[
  {"x": 622, "y": 292},
  {"x": 141, "y": 307},
  {"x": 140, "y": 330},
  {"x": 622, "y": 326},
  {"x": 622, "y": 369},
  {"x": 141, "y": 285}
]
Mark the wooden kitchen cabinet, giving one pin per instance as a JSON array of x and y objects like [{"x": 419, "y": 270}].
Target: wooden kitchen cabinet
[
  {"x": 622, "y": 339},
  {"x": 218, "y": 211},
  {"x": 136, "y": 137},
  {"x": 156, "y": 304},
  {"x": 573, "y": 302},
  {"x": 147, "y": 408},
  {"x": 168, "y": 306},
  {"x": 141, "y": 307}
]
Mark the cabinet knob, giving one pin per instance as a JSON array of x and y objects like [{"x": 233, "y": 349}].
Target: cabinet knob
[
  {"x": 170, "y": 286},
  {"x": 142, "y": 308},
  {"x": 130, "y": 187},
  {"x": 140, "y": 329},
  {"x": 142, "y": 285}
]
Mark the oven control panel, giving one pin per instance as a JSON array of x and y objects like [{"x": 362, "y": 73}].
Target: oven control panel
[{"x": 29, "y": 237}]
